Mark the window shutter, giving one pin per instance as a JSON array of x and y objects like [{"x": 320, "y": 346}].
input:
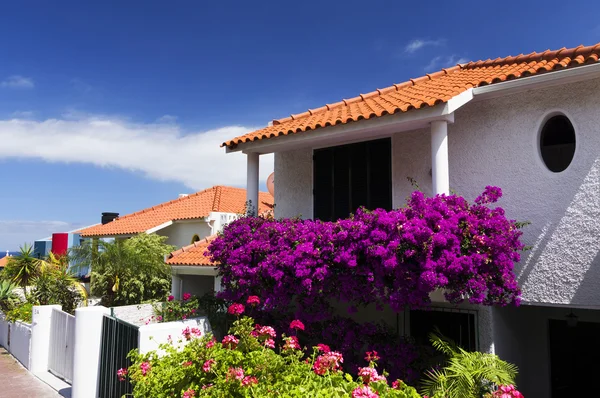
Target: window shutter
[
  {"x": 323, "y": 184},
  {"x": 380, "y": 174}
]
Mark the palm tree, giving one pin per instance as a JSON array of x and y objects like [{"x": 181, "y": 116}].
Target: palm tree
[
  {"x": 55, "y": 284},
  {"x": 466, "y": 374},
  {"x": 21, "y": 269}
]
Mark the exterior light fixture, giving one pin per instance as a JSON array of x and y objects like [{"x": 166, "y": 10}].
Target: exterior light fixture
[{"x": 572, "y": 320}]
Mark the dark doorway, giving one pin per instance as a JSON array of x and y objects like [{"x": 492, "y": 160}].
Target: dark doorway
[
  {"x": 458, "y": 326},
  {"x": 574, "y": 353}
]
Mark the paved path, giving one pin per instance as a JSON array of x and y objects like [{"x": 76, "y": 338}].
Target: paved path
[{"x": 16, "y": 381}]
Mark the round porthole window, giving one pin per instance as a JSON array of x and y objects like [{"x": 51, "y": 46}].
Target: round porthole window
[{"x": 557, "y": 143}]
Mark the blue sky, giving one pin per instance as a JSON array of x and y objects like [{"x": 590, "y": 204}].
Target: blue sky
[{"x": 116, "y": 106}]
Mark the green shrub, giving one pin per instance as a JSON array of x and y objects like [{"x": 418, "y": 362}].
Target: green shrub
[
  {"x": 246, "y": 364},
  {"x": 22, "y": 312},
  {"x": 176, "y": 310}
]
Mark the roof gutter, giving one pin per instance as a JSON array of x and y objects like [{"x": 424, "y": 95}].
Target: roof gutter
[
  {"x": 369, "y": 129},
  {"x": 548, "y": 79}
]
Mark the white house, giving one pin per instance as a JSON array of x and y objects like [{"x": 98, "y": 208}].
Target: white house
[
  {"x": 529, "y": 124},
  {"x": 187, "y": 220}
]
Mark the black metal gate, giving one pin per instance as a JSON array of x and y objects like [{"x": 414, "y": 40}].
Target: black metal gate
[{"x": 118, "y": 338}]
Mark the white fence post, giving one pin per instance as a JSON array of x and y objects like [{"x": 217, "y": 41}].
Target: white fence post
[
  {"x": 86, "y": 363},
  {"x": 41, "y": 322}
]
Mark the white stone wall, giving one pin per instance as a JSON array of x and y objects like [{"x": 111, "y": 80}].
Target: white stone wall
[
  {"x": 151, "y": 336},
  {"x": 495, "y": 142}
]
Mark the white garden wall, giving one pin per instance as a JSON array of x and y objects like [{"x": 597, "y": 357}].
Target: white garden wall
[
  {"x": 152, "y": 335},
  {"x": 16, "y": 339}
]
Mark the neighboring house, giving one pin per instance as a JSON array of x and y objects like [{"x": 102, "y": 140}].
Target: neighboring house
[
  {"x": 185, "y": 221},
  {"x": 529, "y": 124},
  {"x": 193, "y": 271},
  {"x": 59, "y": 243}
]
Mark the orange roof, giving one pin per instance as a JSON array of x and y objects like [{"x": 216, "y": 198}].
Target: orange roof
[
  {"x": 4, "y": 261},
  {"x": 193, "y": 255},
  {"x": 429, "y": 90},
  {"x": 197, "y": 205}
]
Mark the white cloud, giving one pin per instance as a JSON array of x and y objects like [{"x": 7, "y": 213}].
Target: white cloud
[
  {"x": 15, "y": 233},
  {"x": 159, "y": 151},
  {"x": 17, "y": 81},
  {"x": 167, "y": 119},
  {"x": 440, "y": 62},
  {"x": 417, "y": 44}
]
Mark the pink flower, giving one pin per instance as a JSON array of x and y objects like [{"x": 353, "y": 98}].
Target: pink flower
[
  {"x": 267, "y": 331},
  {"x": 186, "y": 364},
  {"x": 122, "y": 374},
  {"x": 323, "y": 347},
  {"x": 236, "y": 309},
  {"x": 397, "y": 384},
  {"x": 249, "y": 380},
  {"x": 328, "y": 362},
  {"x": 253, "y": 300},
  {"x": 235, "y": 373},
  {"x": 210, "y": 344},
  {"x": 186, "y": 296},
  {"x": 188, "y": 333},
  {"x": 270, "y": 343},
  {"x": 189, "y": 393},
  {"x": 208, "y": 365},
  {"x": 364, "y": 392},
  {"x": 159, "y": 318},
  {"x": 369, "y": 375},
  {"x": 507, "y": 391},
  {"x": 207, "y": 386},
  {"x": 230, "y": 341},
  {"x": 291, "y": 343},
  {"x": 145, "y": 367},
  {"x": 171, "y": 298},
  {"x": 296, "y": 324}
]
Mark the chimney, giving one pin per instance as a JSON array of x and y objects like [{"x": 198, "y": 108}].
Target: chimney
[{"x": 108, "y": 217}]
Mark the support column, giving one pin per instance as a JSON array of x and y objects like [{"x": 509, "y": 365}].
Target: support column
[
  {"x": 439, "y": 158},
  {"x": 41, "y": 324},
  {"x": 176, "y": 286},
  {"x": 218, "y": 287},
  {"x": 252, "y": 183},
  {"x": 86, "y": 355}
]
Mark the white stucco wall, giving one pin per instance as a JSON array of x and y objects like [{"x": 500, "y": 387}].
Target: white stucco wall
[
  {"x": 495, "y": 142},
  {"x": 151, "y": 336},
  {"x": 16, "y": 339},
  {"x": 180, "y": 233},
  {"x": 293, "y": 173}
]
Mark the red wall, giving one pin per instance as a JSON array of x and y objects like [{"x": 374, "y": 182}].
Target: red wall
[{"x": 60, "y": 243}]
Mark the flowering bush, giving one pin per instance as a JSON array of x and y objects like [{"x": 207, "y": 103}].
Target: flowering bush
[
  {"x": 396, "y": 258},
  {"x": 245, "y": 365},
  {"x": 507, "y": 391},
  {"x": 383, "y": 257},
  {"x": 176, "y": 310}
]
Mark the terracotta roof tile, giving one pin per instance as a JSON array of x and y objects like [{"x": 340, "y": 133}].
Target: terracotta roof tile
[
  {"x": 197, "y": 205},
  {"x": 4, "y": 261},
  {"x": 193, "y": 255},
  {"x": 425, "y": 91}
]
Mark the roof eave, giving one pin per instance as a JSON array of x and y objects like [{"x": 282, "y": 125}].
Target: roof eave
[
  {"x": 539, "y": 81},
  {"x": 373, "y": 128}
]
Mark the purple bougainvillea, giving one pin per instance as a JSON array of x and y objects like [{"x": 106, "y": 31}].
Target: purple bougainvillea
[{"x": 379, "y": 257}]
